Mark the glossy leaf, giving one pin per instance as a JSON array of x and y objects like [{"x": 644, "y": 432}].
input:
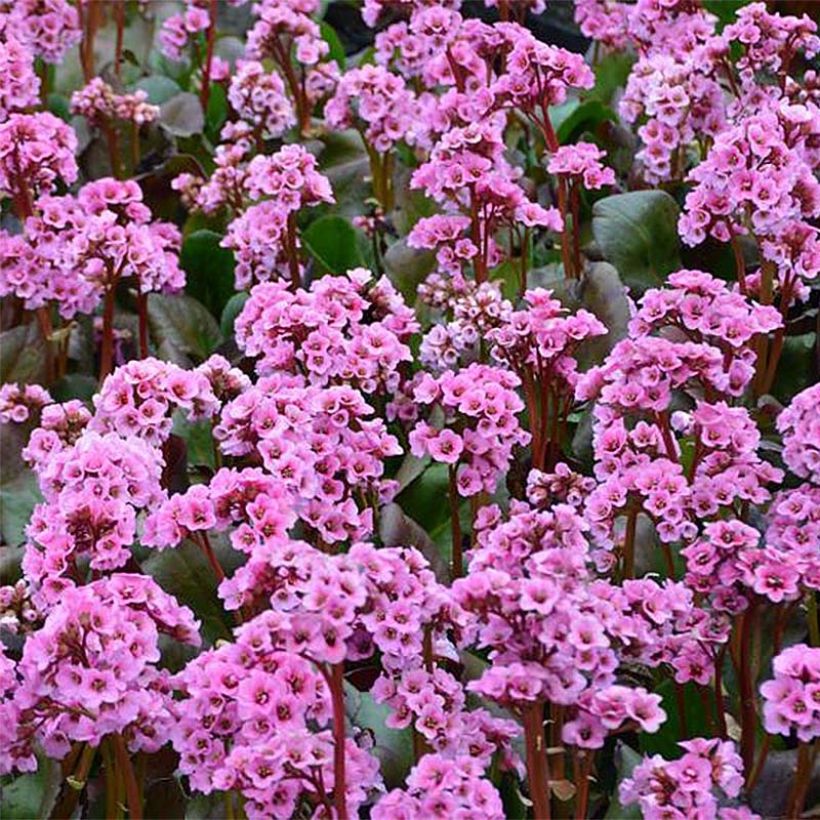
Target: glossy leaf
[
  {"x": 182, "y": 328},
  {"x": 181, "y": 115},
  {"x": 333, "y": 242},
  {"x": 637, "y": 233},
  {"x": 209, "y": 269}
]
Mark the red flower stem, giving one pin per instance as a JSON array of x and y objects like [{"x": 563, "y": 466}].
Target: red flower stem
[
  {"x": 583, "y": 763},
  {"x": 338, "y": 700},
  {"x": 628, "y": 550},
  {"x": 132, "y": 792},
  {"x": 720, "y": 707},
  {"x": 538, "y": 777},
  {"x": 293, "y": 256},
  {"x": 119, "y": 16},
  {"x": 107, "y": 349},
  {"x": 806, "y": 753},
  {"x": 207, "y": 549},
  {"x": 748, "y": 713},
  {"x": 210, "y": 40},
  {"x": 142, "y": 311},
  {"x": 455, "y": 524}
]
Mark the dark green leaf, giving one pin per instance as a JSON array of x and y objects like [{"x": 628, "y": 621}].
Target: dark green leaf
[
  {"x": 603, "y": 294},
  {"x": 182, "y": 327},
  {"x": 185, "y": 573},
  {"x": 665, "y": 740},
  {"x": 181, "y": 115},
  {"x": 198, "y": 436},
  {"x": 217, "y": 111},
  {"x": 231, "y": 310},
  {"x": 333, "y": 242},
  {"x": 393, "y": 747},
  {"x": 408, "y": 267},
  {"x": 74, "y": 386},
  {"x": 626, "y": 759},
  {"x": 725, "y": 10},
  {"x": 158, "y": 88},
  {"x": 794, "y": 371},
  {"x": 343, "y": 159},
  {"x": 637, "y": 233},
  {"x": 209, "y": 269},
  {"x": 585, "y": 117},
  {"x": 31, "y": 795},
  {"x": 399, "y": 530},
  {"x": 22, "y": 355},
  {"x": 611, "y": 73},
  {"x": 18, "y": 497},
  {"x": 337, "y": 51}
]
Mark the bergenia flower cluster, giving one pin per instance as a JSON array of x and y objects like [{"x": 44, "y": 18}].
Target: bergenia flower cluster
[{"x": 403, "y": 415}]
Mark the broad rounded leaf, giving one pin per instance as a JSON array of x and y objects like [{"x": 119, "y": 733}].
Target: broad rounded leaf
[
  {"x": 333, "y": 242},
  {"x": 22, "y": 355},
  {"x": 637, "y": 233},
  {"x": 182, "y": 327},
  {"x": 181, "y": 115},
  {"x": 209, "y": 269}
]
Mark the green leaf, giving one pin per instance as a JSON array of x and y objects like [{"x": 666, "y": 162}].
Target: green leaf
[
  {"x": 159, "y": 89},
  {"x": 665, "y": 740},
  {"x": 182, "y": 327},
  {"x": 74, "y": 386},
  {"x": 725, "y": 10},
  {"x": 408, "y": 267},
  {"x": 603, "y": 294},
  {"x": 393, "y": 747},
  {"x": 209, "y": 269},
  {"x": 199, "y": 440},
  {"x": 560, "y": 113},
  {"x": 185, "y": 573},
  {"x": 217, "y": 111},
  {"x": 637, "y": 233},
  {"x": 585, "y": 117},
  {"x": 794, "y": 370},
  {"x": 231, "y": 310},
  {"x": 337, "y": 51},
  {"x": 626, "y": 759},
  {"x": 396, "y": 529},
  {"x": 18, "y": 496},
  {"x": 611, "y": 73},
  {"x": 333, "y": 242},
  {"x": 343, "y": 159},
  {"x": 181, "y": 115},
  {"x": 22, "y": 355},
  {"x": 30, "y": 795}
]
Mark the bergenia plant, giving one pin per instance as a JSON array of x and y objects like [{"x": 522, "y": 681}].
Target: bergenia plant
[{"x": 409, "y": 409}]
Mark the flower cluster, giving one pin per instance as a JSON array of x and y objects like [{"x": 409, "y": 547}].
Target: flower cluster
[
  {"x": 259, "y": 98},
  {"x": 321, "y": 333},
  {"x": 689, "y": 786},
  {"x": 264, "y": 237},
  {"x": 376, "y": 101},
  {"x": 19, "y": 402},
  {"x": 22, "y": 85},
  {"x": 48, "y": 28},
  {"x": 36, "y": 150},
  {"x": 791, "y": 696},
  {"x": 799, "y": 425},
  {"x": 322, "y": 443},
  {"x": 91, "y": 672},
  {"x": 582, "y": 161},
  {"x": 93, "y": 491},
  {"x": 138, "y": 400},
  {"x": 481, "y": 426},
  {"x": 99, "y": 104},
  {"x": 442, "y": 787}
]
